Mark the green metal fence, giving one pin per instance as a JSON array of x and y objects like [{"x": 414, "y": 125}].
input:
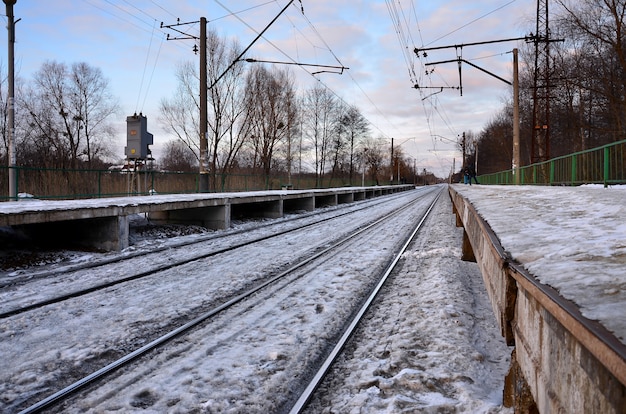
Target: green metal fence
[
  {"x": 46, "y": 183},
  {"x": 603, "y": 165}
]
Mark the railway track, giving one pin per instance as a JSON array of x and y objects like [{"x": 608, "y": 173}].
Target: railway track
[
  {"x": 321, "y": 372},
  {"x": 285, "y": 278},
  {"x": 27, "y": 275},
  {"x": 17, "y": 300}
]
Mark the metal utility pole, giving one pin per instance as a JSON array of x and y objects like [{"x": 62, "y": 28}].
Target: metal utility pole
[
  {"x": 204, "y": 124},
  {"x": 516, "y": 137},
  {"x": 11, "y": 100},
  {"x": 517, "y": 161},
  {"x": 204, "y": 87},
  {"x": 540, "y": 146}
]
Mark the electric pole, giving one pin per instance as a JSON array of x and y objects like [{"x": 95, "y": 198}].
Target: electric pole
[
  {"x": 203, "y": 127},
  {"x": 11, "y": 100},
  {"x": 516, "y": 138},
  {"x": 517, "y": 161},
  {"x": 204, "y": 87},
  {"x": 540, "y": 145},
  {"x": 204, "y": 123}
]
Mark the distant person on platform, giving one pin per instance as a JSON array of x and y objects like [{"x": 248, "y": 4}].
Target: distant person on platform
[
  {"x": 472, "y": 174},
  {"x": 468, "y": 174}
]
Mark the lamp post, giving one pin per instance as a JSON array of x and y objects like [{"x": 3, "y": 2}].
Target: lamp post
[{"x": 11, "y": 100}]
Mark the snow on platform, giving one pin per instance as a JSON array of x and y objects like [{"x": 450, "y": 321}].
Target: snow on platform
[{"x": 570, "y": 238}]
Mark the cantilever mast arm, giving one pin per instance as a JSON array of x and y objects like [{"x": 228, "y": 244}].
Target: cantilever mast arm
[{"x": 250, "y": 45}]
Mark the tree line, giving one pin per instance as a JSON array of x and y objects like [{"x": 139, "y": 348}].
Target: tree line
[
  {"x": 260, "y": 123},
  {"x": 587, "y": 88}
]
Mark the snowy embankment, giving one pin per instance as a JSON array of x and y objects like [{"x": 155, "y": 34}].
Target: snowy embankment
[{"x": 570, "y": 238}]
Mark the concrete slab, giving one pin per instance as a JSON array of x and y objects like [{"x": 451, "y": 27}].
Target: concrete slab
[{"x": 102, "y": 224}]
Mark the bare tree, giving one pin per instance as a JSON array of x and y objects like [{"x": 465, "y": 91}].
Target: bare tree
[
  {"x": 587, "y": 85},
  {"x": 48, "y": 105},
  {"x": 178, "y": 157},
  {"x": 271, "y": 112},
  {"x": 228, "y": 123},
  {"x": 319, "y": 123},
  {"x": 353, "y": 128},
  {"x": 374, "y": 155},
  {"x": 495, "y": 145},
  {"x": 180, "y": 114},
  {"x": 594, "y": 92},
  {"x": 93, "y": 105},
  {"x": 339, "y": 149},
  {"x": 69, "y": 112},
  {"x": 227, "y": 130}
]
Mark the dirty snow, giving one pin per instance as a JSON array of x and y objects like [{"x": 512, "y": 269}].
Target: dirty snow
[
  {"x": 430, "y": 344},
  {"x": 570, "y": 238}
]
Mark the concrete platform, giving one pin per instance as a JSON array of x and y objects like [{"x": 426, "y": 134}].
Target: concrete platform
[
  {"x": 102, "y": 224},
  {"x": 563, "y": 360}
]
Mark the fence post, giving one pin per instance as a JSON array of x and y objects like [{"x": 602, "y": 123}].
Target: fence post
[
  {"x": 574, "y": 166},
  {"x": 606, "y": 166},
  {"x": 551, "y": 172}
]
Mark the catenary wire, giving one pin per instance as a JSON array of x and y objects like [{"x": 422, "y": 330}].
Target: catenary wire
[
  {"x": 144, "y": 67},
  {"x": 325, "y": 85},
  {"x": 156, "y": 59},
  {"x": 472, "y": 22}
]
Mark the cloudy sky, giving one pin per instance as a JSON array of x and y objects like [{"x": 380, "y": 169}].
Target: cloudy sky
[{"x": 374, "y": 39}]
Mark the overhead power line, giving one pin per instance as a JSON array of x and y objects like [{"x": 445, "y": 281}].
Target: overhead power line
[{"x": 473, "y": 21}]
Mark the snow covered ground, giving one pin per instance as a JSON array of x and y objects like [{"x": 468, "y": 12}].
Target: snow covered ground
[
  {"x": 570, "y": 238},
  {"x": 430, "y": 345}
]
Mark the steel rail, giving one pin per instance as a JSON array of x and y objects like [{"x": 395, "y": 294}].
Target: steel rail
[
  {"x": 306, "y": 395},
  {"x": 76, "y": 386}
]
